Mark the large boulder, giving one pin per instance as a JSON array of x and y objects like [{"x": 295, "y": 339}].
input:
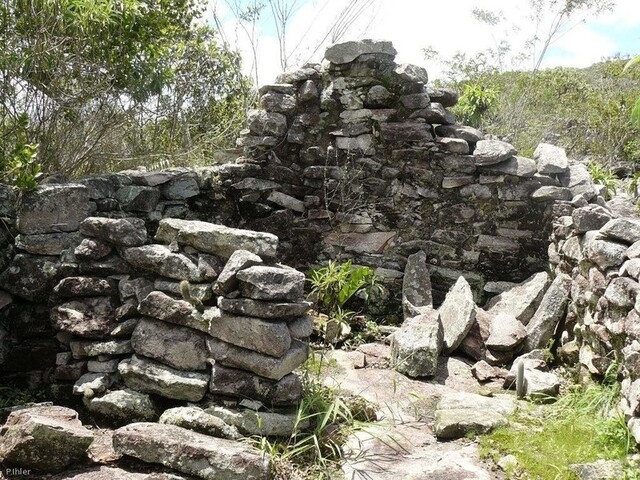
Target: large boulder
[
  {"x": 150, "y": 376},
  {"x": 182, "y": 348},
  {"x": 45, "y": 439},
  {"x": 416, "y": 286},
  {"x": 53, "y": 208},
  {"x": 126, "y": 232},
  {"x": 416, "y": 346},
  {"x": 193, "y": 453},
  {"x": 522, "y": 300},
  {"x": 216, "y": 239},
  {"x": 264, "y": 336},
  {"x": 460, "y": 414},
  {"x": 552, "y": 308},
  {"x": 457, "y": 314}
]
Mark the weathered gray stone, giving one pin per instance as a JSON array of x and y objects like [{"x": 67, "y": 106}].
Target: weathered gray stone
[
  {"x": 603, "y": 252},
  {"x": 361, "y": 143},
  {"x": 121, "y": 407},
  {"x": 197, "y": 420},
  {"x": 521, "y": 301},
  {"x": 263, "y": 309},
  {"x": 106, "y": 366},
  {"x": 415, "y": 101},
  {"x": 416, "y": 286},
  {"x": 517, "y": 166},
  {"x": 53, "y": 208},
  {"x": 460, "y": 414},
  {"x": 278, "y": 102},
  {"x": 435, "y": 113},
  {"x": 45, "y": 439},
  {"x": 599, "y": 470},
  {"x": 48, "y": 243},
  {"x": 183, "y": 185},
  {"x": 137, "y": 287},
  {"x": 474, "y": 343},
  {"x": 92, "y": 317},
  {"x": 92, "y": 249},
  {"x": 161, "y": 260},
  {"x": 457, "y": 314},
  {"x": 239, "y": 260},
  {"x": 232, "y": 382},
  {"x": 483, "y": 372},
  {"x": 301, "y": 328},
  {"x": 200, "y": 291},
  {"x": 378, "y": 96},
  {"x": 161, "y": 306},
  {"x": 406, "y": 132},
  {"x": 469, "y": 134},
  {"x": 216, "y": 239},
  {"x": 412, "y": 73},
  {"x": 149, "y": 376},
  {"x": 551, "y": 193},
  {"x": 491, "y": 152},
  {"x": 624, "y": 229},
  {"x": 308, "y": 91},
  {"x": 193, "y": 453},
  {"x": 552, "y": 308},
  {"x": 264, "y": 365},
  {"x": 82, "y": 349},
  {"x": 182, "y": 348},
  {"x": 271, "y": 283},
  {"x": 285, "y": 88},
  {"x": 496, "y": 244},
  {"x": 416, "y": 346},
  {"x": 264, "y": 336},
  {"x": 267, "y": 424},
  {"x": 591, "y": 217},
  {"x": 33, "y": 277},
  {"x": 92, "y": 383},
  {"x": 286, "y": 201},
  {"x": 550, "y": 159},
  {"x": 126, "y": 232},
  {"x": 622, "y": 292},
  {"x": 85, "y": 287},
  {"x": 347, "y": 52},
  {"x": 506, "y": 333},
  {"x": 136, "y": 198},
  {"x": 267, "y": 123}
]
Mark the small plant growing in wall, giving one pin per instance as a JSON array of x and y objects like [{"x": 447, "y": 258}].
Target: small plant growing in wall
[
  {"x": 604, "y": 177},
  {"x": 332, "y": 287}
]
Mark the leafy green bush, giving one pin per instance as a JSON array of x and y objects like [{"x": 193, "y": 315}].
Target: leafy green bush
[
  {"x": 604, "y": 177},
  {"x": 476, "y": 101},
  {"x": 19, "y": 164}
]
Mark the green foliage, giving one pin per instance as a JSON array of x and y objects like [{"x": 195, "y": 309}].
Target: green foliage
[
  {"x": 19, "y": 164},
  {"x": 635, "y": 113},
  {"x": 581, "y": 427},
  {"x": 317, "y": 452},
  {"x": 109, "y": 85},
  {"x": 476, "y": 101},
  {"x": 11, "y": 396},
  {"x": 605, "y": 177}
]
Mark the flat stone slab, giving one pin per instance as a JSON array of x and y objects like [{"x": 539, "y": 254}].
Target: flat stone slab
[
  {"x": 180, "y": 312},
  {"x": 491, "y": 152},
  {"x": 45, "y": 439},
  {"x": 271, "y": 283},
  {"x": 53, "y": 208},
  {"x": 268, "y": 424},
  {"x": 198, "y": 420},
  {"x": 263, "y": 309},
  {"x": 522, "y": 300},
  {"x": 416, "y": 286},
  {"x": 92, "y": 317},
  {"x": 457, "y": 423},
  {"x": 216, "y": 239},
  {"x": 161, "y": 260},
  {"x": 457, "y": 314},
  {"x": 416, "y": 346},
  {"x": 192, "y": 453},
  {"x": 126, "y": 232},
  {"x": 347, "y": 52},
  {"x": 149, "y": 376},
  {"x": 121, "y": 407}
]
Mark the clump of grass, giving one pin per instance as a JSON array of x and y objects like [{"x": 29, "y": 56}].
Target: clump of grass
[
  {"x": 316, "y": 453},
  {"x": 11, "y": 396},
  {"x": 583, "y": 426}
]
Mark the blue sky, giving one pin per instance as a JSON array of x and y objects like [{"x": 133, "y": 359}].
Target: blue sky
[{"x": 446, "y": 27}]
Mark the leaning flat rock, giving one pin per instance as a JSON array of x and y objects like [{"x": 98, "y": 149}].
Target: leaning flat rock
[
  {"x": 267, "y": 424},
  {"x": 163, "y": 307},
  {"x": 624, "y": 229},
  {"x": 197, "y": 420},
  {"x": 463, "y": 132},
  {"x": 416, "y": 286},
  {"x": 490, "y": 152},
  {"x": 153, "y": 377},
  {"x": 260, "y": 364},
  {"x": 415, "y": 348},
  {"x": 506, "y": 333},
  {"x": 193, "y": 453},
  {"x": 551, "y": 310},
  {"x": 457, "y": 314},
  {"x": 232, "y": 382},
  {"x": 271, "y": 283},
  {"x": 517, "y": 166},
  {"x": 125, "y": 232},
  {"x": 161, "y": 260},
  {"x": 347, "y": 52},
  {"x": 263, "y": 309},
  {"x": 182, "y": 348},
  {"x": 264, "y": 336},
  {"x": 45, "y": 439},
  {"x": 239, "y": 260},
  {"x": 216, "y": 239},
  {"x": 550, "y": 159},
  {"x": 522, "y": 300},
  {"x": 121, "y": 407}
]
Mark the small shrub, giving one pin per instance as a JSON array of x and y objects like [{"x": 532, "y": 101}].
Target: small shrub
[{"x": 604, "y": 177}]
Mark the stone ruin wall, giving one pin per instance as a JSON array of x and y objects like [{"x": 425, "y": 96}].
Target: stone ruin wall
[{"x": 357, "y": 158}]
